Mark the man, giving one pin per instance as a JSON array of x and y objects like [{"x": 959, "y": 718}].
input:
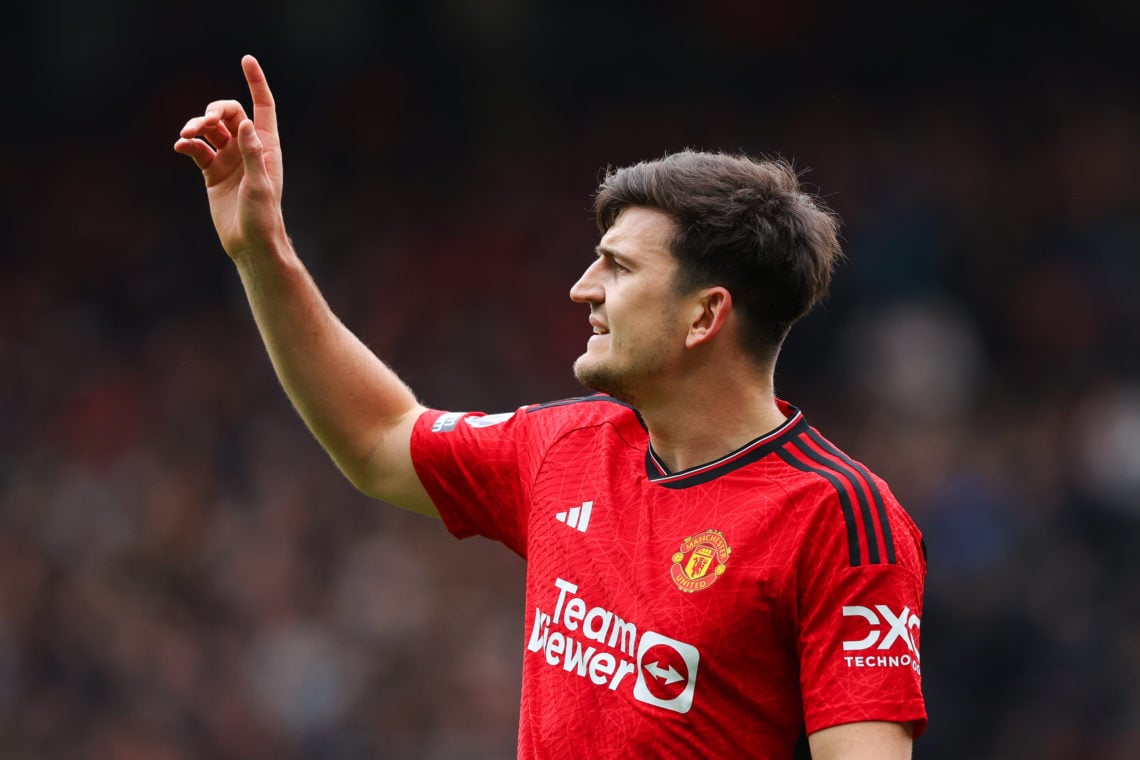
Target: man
[{"x": 706, "y": 573}]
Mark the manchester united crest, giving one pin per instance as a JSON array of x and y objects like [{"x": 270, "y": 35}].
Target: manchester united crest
[{"x": 700, "y": 561}]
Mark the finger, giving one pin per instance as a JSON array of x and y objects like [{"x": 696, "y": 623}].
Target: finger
[
  {"x": 200, "y": 125},
  {"x": 264, "y": 108},
  {"x": 252, "y": 153},
  {"x": 227, "y": 112},
  {"x": 217, "y": 134},
  {"x": 193, "y": 127},
  {"x": 200, "y": 152}
]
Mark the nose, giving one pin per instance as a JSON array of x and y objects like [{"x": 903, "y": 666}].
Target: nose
[{"x": 588, "y": 288}]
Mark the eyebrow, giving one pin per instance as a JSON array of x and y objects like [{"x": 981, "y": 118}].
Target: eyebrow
[{"x": 610, "y": 253}]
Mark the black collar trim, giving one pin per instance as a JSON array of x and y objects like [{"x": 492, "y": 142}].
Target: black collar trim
[{"x": 753, "y": 451}]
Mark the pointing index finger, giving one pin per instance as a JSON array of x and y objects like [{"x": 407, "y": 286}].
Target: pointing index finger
[{"x": 264, "y": 110}]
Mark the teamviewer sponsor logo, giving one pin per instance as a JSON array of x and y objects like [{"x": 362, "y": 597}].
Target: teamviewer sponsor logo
[
  {"x": 890, "y": 637},
  {"x": 577, "y": 518},
  {"x": 666, "y": 672},
  {"x": 596, "y": 643}
]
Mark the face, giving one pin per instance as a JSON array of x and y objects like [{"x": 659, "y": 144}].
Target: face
[{"x": 635, "y": 311}]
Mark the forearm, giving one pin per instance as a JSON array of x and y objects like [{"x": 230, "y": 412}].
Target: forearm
[{"x": 357, "y": 407}]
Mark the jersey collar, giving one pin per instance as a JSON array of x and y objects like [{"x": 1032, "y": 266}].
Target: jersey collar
[{"x": 753, "y": 451}]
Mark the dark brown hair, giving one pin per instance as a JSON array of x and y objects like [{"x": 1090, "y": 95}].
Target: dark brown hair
[{"x": 743, "y": 224}]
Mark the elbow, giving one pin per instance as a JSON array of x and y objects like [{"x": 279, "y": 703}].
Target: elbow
[{"x": 361, "y": 473}]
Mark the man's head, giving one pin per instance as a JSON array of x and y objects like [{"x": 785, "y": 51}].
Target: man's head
[{"x": 741, "y": 224}]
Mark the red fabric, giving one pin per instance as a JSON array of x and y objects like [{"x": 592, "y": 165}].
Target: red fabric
[{"x": 701, "y": 612}]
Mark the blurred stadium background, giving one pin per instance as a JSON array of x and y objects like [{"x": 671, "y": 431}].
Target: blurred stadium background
[{"x": 183, "y": 574}]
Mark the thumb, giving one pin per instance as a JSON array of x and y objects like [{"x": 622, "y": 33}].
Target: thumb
[{"x": 252, "y": 151}]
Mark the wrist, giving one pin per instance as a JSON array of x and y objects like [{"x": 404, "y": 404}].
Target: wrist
[{"x": 272, "y": 250}]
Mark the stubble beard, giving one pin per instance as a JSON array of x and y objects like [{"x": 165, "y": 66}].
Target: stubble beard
[
  {"x": 602, "y": 377},
  {"x": 627, "y": 372}
]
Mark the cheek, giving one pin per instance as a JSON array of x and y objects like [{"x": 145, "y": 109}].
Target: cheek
[{"x": 644, "y": 335}]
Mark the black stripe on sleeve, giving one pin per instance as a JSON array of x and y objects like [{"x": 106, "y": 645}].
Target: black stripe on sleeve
[
  {"x": 844, "y": 501},
  {"x": 860, "y": 494},
  {"x": 880, "y": 507}
]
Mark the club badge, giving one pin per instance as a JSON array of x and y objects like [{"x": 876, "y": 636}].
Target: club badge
[{"x": 700, "y": 561}]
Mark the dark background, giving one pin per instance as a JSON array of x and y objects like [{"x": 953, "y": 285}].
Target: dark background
[{"x": 183, "y": 573}]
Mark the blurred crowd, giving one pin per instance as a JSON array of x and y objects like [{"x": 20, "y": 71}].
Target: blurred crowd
[{"x": 183, "y": 572}]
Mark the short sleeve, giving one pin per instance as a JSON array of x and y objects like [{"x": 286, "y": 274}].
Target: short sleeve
[
  {"x": 860, "y": 622},
  {"x": 475, "y": 467}
]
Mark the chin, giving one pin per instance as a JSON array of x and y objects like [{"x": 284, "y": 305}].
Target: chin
[
  {"x": 584, "y": 372},
  {"x": 598, "y": 377}
]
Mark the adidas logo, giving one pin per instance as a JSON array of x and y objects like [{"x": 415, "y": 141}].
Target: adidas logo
[{"x": 577, "y": 518}]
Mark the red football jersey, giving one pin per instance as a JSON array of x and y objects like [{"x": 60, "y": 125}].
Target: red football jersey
[{"x": 716, "y": 612}]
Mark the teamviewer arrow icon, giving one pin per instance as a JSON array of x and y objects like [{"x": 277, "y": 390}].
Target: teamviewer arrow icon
[
  {"x": 668, "y": 676},
  {"x": 671, "y": 687}
]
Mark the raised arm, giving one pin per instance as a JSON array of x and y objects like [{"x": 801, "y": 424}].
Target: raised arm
[{"x": 358, "y": 409}]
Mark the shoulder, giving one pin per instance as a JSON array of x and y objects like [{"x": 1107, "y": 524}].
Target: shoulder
[
  {"x": 584, "y": 410},
  {"x": 556, "y": 418},
  {"x": 536, "y": 424},
  {"x": 842, "y": 493}
]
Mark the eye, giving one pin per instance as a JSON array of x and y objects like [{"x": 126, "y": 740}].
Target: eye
[
  {"x": 610, "y": 262},
  {"x": 614, "y": 264}
]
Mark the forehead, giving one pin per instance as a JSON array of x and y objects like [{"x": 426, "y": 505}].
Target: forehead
[{"x": 641, "y": 233}]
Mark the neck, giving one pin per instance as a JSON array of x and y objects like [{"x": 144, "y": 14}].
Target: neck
[{"x": 708, "y": 420}]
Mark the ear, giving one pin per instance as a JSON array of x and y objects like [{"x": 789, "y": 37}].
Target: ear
[{"x": 710, "y": 314}]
